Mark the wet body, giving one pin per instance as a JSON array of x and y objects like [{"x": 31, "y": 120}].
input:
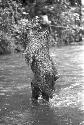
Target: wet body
[{"x": 67, "y": 105}]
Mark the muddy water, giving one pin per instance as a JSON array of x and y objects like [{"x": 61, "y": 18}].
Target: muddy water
[{"x": 67, "y": 105}]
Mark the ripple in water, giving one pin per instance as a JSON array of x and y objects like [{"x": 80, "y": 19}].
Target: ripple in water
[{"x": 68, "y": 97}]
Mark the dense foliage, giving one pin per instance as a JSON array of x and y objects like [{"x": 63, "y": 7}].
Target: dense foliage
[{"x": 15, "y": 21}]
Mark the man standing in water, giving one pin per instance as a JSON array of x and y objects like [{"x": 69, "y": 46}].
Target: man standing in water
[{"x": 37, "y": 55}]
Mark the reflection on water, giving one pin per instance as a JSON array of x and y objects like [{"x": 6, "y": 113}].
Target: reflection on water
[
  {"x": 81, "y": 98},
  {"x": 67, "y": 105}
]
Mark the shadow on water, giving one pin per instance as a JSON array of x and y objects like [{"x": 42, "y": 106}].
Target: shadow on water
[{"x": 67, "y": 105}]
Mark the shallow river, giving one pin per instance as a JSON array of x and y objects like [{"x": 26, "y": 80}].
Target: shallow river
[{"x": 67, "y": 105}]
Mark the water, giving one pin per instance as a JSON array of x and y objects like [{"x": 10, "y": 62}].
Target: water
[{"x": 67, "y": 105}]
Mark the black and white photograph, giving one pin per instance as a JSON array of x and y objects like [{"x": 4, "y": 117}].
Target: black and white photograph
[{"x": 41, "y": 62}]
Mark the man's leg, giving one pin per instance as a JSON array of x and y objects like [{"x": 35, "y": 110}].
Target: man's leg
[
  {"x": 35, "y": 91},
  {"x": 45, "y": 96}
]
